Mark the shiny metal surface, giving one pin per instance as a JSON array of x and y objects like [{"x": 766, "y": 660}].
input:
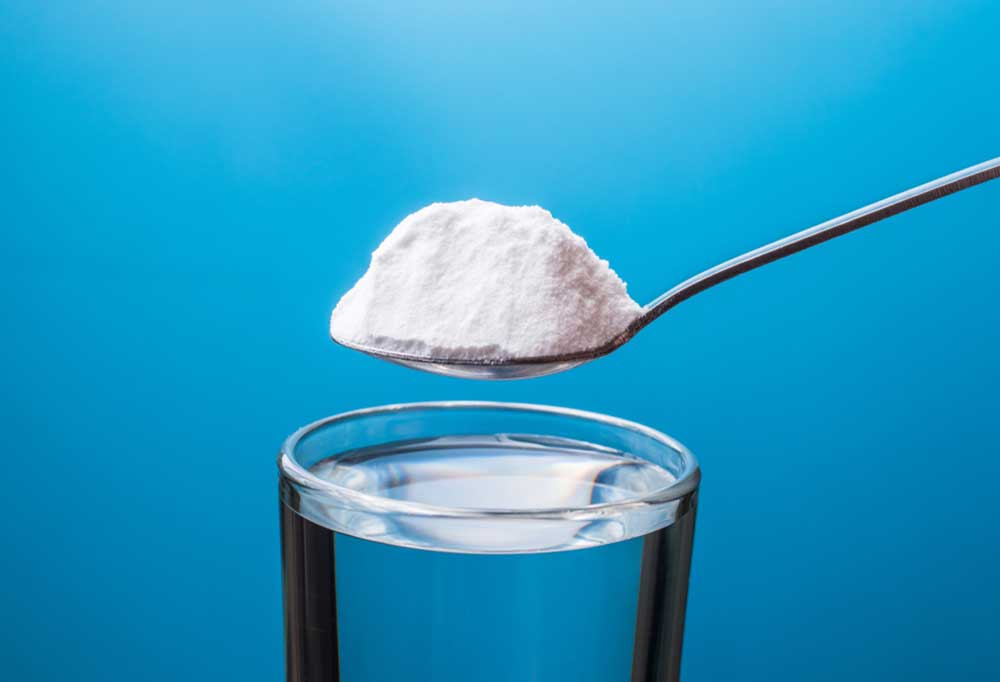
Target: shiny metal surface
[{"x": 523, "y": 368}]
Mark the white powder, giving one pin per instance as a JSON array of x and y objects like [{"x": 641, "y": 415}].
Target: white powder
[{"x": 475, "y": 279}]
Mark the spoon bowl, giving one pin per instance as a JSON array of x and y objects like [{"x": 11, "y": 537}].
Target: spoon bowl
[
  {"x": 525, "y": 368},
  {"x": 485, "y": 368}
]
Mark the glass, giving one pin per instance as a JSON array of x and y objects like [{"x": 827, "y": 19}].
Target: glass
[{"x": 484, "y": 542}]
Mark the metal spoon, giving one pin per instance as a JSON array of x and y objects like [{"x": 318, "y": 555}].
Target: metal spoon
[{"x": 523, "y": 368}]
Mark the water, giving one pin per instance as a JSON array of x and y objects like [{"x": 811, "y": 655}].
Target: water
[{"x": 500, "y": 599}]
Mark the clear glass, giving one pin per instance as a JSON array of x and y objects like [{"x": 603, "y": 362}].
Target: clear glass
[{"x": 484, "y": 542}]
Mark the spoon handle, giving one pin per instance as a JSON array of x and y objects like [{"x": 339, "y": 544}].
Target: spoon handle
[{"x": 904, "y": 201}]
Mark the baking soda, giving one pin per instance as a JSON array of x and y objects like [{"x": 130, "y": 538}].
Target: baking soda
[{"x": 479, "y": 280}]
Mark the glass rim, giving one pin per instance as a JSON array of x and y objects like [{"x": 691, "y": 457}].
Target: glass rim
[{"x": 289, "y": 467}]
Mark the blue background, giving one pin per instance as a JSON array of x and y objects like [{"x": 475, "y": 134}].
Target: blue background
[{"x": 187, "y": 189}]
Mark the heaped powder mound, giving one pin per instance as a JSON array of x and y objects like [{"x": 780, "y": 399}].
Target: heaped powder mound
[{"x": 478, "y": 280}]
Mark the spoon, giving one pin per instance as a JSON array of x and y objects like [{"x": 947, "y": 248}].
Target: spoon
[{"x": 524, "y": 368}]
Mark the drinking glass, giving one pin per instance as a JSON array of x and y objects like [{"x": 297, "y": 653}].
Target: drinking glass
[{"x": 484, "y": 542}]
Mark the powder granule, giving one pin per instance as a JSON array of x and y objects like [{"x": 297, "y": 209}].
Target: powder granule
[{"x": 478, "y": 280}]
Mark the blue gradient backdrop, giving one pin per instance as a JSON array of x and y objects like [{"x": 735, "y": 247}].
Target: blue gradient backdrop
[{"x": 187, "y": 188}]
